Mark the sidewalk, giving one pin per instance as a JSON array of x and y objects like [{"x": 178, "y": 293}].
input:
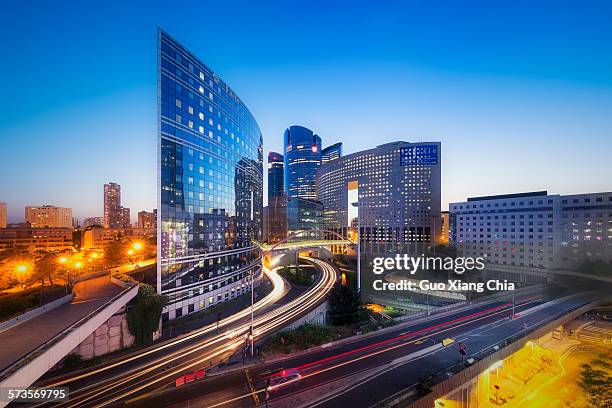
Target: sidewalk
[{"x": 24, "y": 338}]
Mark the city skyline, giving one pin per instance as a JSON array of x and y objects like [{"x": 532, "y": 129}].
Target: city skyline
[{"x": 489, "y": 99}]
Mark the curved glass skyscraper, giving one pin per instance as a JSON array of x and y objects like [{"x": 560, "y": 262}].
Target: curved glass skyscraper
[
  {"x": 210, "y": 186},
  {"x": 302, "y": 159}
]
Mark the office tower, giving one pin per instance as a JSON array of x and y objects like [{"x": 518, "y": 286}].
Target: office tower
[
  {"x": 3, "y": 215},
  {"x": 276, "y": 185},
  {"x": 397, "y": 188},
  {"x": 331, "y": 153},
  {"x": 210, "y": 192},
  {"x": 48, "y": 216},
  {"x": 147, "y": 219},
  {"x": 302, "y": 159},
  {"x": 534, "y": 230}
]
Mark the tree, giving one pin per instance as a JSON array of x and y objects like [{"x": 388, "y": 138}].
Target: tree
[
  {"x": 10, "y": 261},
  {"x": 345, "y": 305},
  {"x": 114, "y": 253},
  {"x": 144, "y": 312},
  {"x": 596, "y": 384},
  {"x": 47, "y": 267},
  {"x": 442, "y": 251}
]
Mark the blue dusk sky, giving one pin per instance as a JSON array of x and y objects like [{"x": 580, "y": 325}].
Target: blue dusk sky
[{"x": 519, "y": 93}]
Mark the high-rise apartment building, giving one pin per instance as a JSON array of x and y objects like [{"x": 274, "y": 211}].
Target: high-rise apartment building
[
  {"x": 124, "y": 217},
  {"x": 397, "y": 190},
  {"x": 534, "y": 230},
  {"x": 3, "y": 215},
  {"x": 302, "y": 159},
  {"x": 112, "y": 201},
  {"x": 48, "y": 216},
  {"x": 147, "y": 219},
  {"x": 115, "y": 216},
  {"x": 210, "y": 193},
  {"x": 331, "y": 153},
  {"x": 276, "y": 184}
]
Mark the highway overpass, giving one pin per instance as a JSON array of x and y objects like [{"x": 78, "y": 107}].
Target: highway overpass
[
  {"x": 386, "y": 367},
  {"x": 32, "y": 347},
  {"x": 157, "y": 366}
]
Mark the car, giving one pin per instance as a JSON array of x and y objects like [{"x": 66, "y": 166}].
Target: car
[{"x": 283, "y": 379}]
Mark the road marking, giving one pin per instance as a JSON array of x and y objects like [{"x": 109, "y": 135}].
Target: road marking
[{"x": 253, "y": 391}]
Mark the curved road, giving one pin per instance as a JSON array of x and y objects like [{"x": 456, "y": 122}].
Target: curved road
[{"x": 158, "y": 366}]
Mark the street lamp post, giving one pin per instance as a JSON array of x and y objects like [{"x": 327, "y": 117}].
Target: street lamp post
[
  {"x": 358, "y": 205},
  {"x": 252, "y": 301}
]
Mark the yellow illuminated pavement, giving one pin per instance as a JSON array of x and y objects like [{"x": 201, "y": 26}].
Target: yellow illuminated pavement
[{"x": 538, "y": 375}]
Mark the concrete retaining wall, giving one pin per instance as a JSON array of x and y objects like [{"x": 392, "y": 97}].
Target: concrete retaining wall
[
  {"x": 112, "y": 335},
  {"x": 316, "y": 316}
]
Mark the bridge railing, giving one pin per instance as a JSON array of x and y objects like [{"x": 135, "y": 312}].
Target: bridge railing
[
  {"x": 452, "y": 377},
  {"x": 48, "y": 344}
]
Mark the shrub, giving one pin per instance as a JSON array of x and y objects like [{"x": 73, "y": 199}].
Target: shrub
[{"x": 144, "y": 312}]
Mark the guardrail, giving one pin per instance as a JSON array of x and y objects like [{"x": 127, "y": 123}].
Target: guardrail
[
  {"x": 27, "y": 315},
  {"x": 31, "y": 356},
  {"x": 448, "y": 379}
]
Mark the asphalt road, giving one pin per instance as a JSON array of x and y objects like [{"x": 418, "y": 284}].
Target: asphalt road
[
  {"x": 158, "y": 366},
  {"x": 480, "y": 327}
]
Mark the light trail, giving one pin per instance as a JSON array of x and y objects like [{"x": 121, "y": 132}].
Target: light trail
[
  {"x": 428, "y": 332},
  {"x": 125, "y": 384},
  {"x": 276, "y": 294}
]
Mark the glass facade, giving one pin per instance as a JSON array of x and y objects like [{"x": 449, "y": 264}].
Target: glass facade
[
  {"x": 289, "y": 215},
  {"x": 302, "y": 159},
  {"x": 276, "y": 184},
  {"x": 331, "y": 153},
  {"x": 303, "y": 214},
  {"x": 210, "y": 184}
]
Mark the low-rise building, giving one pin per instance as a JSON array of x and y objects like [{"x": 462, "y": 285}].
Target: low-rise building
[
  {"x": 534, "y": 229},
  {"x": 36, "y": 240},
  {"x": 99, "y": 238},
  {"x": 48, "y": 216}
]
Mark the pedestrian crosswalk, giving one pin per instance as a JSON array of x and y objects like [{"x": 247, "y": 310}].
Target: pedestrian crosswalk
[{"x": 596, "y": 333}]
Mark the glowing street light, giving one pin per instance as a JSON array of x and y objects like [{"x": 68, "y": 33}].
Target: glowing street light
[
  {"x": 22, "y": 268},
  {"x": 63, "y": 260},
  {"x": 137, "y": 246},
  {"x": 78, "y": 265},
  {"x": 130, "y": 252}
]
